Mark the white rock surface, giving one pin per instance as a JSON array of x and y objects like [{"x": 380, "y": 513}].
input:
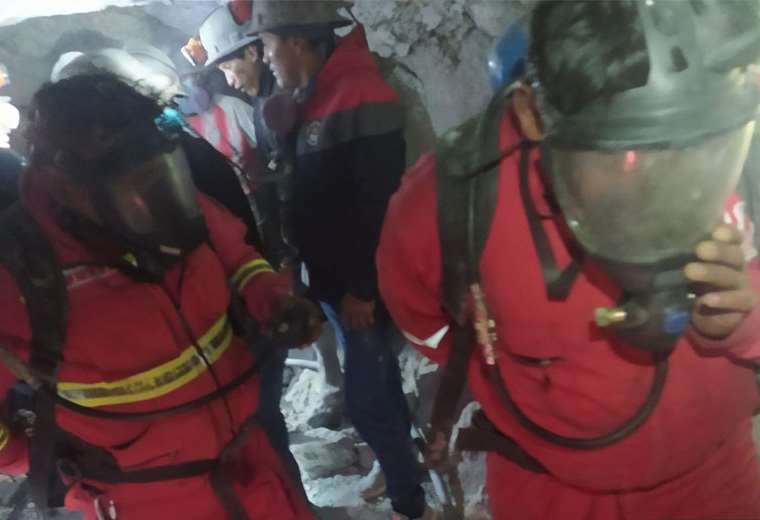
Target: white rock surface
[
  {"x": 445, "y": 43},
  {"x": 325, "y": 455},
  {"x": 16, "y": 12}
]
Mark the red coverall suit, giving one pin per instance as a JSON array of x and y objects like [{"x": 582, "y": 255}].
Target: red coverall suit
[
  {"x": 127, "y": 351},
  {"x": 693, "y": 459}
]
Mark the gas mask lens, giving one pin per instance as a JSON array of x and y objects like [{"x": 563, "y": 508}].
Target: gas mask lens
[
  {"x": 155, "y": 202},
  {"x": 640, "y": 213},
  {"x": 643, "y": 206}
]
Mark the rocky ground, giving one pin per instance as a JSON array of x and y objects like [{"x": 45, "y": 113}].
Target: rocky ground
[
  {"x": 14, "y": 502},
  {"x": 338, "y": 467}
]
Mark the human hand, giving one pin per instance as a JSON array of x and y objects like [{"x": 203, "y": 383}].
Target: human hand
[
  {"x": 297, "y": 321},
  {"x": 721, "y": 266},
  {"x": 357, "y": 314}
]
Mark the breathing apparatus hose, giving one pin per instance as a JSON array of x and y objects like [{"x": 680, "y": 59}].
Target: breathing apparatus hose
[
  {"x": 580, "y": 443},
  {"x": 494, "y": 373}
]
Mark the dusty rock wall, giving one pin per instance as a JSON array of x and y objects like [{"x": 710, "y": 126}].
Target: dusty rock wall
[
  {"x": 30, "y": 48},
  {"x": 445, "y": 44},
  {"x": 439, "y": 45}
]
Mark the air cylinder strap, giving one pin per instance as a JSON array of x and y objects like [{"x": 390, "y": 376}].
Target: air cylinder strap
[
  {"x": 483, "y": 436},
  {"x": 32, "y": 262}
]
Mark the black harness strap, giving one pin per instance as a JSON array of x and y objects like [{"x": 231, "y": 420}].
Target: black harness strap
[
  {"x": 467, "y": 168},
  {"x": 219, "y": 479},
  {"x": 90, "y": 468},
  {"x": 193, "y": 468},
  {"x": 449, "y": 393},
  {"x": 30, "y": 259},
  {"x": 482, "y": 435},
  {"x": 558, "y": 283},
  {"x": 467, "y": 173},
  {"x": 92, "y": 463}
]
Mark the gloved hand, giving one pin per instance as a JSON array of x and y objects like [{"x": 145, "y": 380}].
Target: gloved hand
[
  {"x": 730, "y": 297},
  {"x": 357, "y": 314},
  {"x": 297, "y": 322}
]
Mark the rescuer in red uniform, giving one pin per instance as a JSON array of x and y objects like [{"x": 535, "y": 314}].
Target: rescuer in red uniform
[
  {"x": 564, "y": 250},
  {"x": 145, "y": 391}
]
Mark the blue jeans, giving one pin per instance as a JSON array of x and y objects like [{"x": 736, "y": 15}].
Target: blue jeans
[
  {"x": 377, "y": 407},
  {"x": 270, "y": 415}
]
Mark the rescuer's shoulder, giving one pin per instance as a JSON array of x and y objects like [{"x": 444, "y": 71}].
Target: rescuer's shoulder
[{"x": 415, "y": 203}]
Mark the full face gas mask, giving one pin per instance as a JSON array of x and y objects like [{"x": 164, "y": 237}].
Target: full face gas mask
[
  {"x": 152, "y": 205},
  {"x": 642, "y": 178},
  {"x": 142, "y": 192}
]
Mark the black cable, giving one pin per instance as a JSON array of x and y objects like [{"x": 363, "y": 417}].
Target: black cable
[
  {"x": 558, "y": 282},
  {"x": 578, "y": 443},
  {"x": 210, "y": 368},
  {"x": 198, "y": 349}
]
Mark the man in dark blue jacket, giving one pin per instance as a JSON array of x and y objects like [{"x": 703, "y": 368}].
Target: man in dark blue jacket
[{"x": 350, "y": 155}]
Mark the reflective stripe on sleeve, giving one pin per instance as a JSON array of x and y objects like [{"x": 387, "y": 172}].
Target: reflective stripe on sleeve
[{"x": 249, "y": 270}]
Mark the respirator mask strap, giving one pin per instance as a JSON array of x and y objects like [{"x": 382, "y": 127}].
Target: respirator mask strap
[{"x": 558, "y": 282}]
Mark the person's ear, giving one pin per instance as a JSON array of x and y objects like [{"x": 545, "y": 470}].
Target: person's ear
[{"x": 524, "y": 102}]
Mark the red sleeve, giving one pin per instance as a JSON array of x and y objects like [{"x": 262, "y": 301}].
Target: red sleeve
[
  {"x": 250, "y": 273},
  {"x": 409, "y": 263},
  {"x": 15, "y": 336}
]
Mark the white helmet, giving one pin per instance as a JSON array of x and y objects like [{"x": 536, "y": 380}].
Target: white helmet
[
  {"x": 221, "y": 35},
  {"x": 161, "y": 82},
  {"x": 64, "y": 60}
]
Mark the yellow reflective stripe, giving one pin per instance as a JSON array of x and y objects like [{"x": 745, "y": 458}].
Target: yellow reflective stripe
[
  {"x": 5, "y": 436},
  {"x": 249, "y": 270},
  {"x": 252, "y": 274},
  {"x": 157, "y": 381}
]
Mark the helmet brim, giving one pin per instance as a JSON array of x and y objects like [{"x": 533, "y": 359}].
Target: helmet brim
[
  {"x": 215, "y": 59},
  {"x": 296, "y": 28}
]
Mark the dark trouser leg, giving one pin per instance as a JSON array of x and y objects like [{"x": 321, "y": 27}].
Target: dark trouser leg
[
  {"x": 378, "y": 408},
  {"x": 270, "y": 414}
]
